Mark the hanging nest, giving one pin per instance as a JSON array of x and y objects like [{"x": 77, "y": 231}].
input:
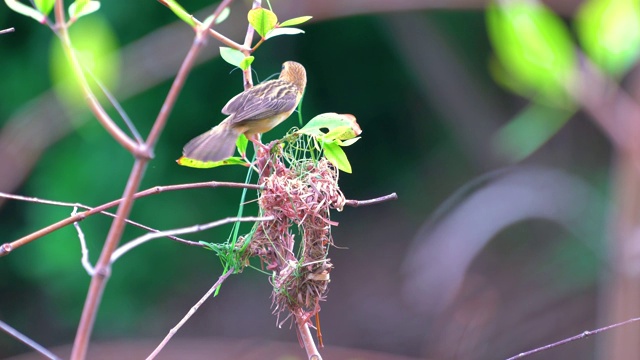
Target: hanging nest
[{"x": 302, "y": 194}]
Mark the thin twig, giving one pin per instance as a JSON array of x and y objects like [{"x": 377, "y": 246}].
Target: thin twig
[
  {"x": 356, "y": 203},
  {"x": 83, "y": 247},
  {"x": 225, "y": 40},
  {"x": 192, "y": 311},
  {"x": 187, "y": 230},
  {"x": 8, "y": 247},
  {"x": 116, "y": 105},
  {"x": 580, "y": 336},
  {"x": 6, "y": 31},
  {"x": 25, "y": 339}
]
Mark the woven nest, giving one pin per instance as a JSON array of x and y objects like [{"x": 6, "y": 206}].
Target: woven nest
[{"x": 301, "y": 194}]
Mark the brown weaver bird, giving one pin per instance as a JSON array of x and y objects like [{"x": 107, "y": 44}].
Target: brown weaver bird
[{"x": 252, "y": 112}]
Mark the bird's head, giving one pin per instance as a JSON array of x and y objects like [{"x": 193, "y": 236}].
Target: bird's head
[{"x": 294, "y": 73}]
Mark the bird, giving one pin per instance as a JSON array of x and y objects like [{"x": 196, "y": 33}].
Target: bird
[{"x": 252, "y": 112}]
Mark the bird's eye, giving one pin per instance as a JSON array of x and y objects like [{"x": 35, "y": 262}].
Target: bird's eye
[{"x": 282, "y": 67}]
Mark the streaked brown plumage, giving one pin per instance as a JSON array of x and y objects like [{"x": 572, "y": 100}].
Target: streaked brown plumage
[{"x": 252, "y": 112}]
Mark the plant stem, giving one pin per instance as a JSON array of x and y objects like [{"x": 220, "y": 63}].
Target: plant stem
[
  {"x": 26, "y": 340},
  {"x": 306, "y": 337},
  {"x": 8, "y": 247},
  {"x": 103, "y": 266},
  {"x": 192, "y": 311},
  {"x": 248, "y": 39}
]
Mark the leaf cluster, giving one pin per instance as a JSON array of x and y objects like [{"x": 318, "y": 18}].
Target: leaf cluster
[
  {"x": 536, "y": 57},
  {"x": 42, "y": 8}
]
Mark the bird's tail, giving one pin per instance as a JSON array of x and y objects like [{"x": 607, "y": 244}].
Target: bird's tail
[{"x": 216, "y": 144}]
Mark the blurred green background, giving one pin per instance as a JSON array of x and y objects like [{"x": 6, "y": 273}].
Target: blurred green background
[{"x": 418, "y": 82}]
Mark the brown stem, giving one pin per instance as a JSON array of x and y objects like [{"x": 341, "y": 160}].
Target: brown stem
[
  {"x": 306, "y": 337},
  {"x": 225, "y": 40},
  {"x": 8, "y": 247},
  {"x": 356, "y": 203},
  {"x": 248, "y": 39},
  {"x": 103, "y": 268},
  {"x": 255, "y": 47},
  {"x": 101, "y": 275},
  {"x": 90, "y": 211},
  {"x": 617, "y": 113},
  {"x": 621, "y": 289}
]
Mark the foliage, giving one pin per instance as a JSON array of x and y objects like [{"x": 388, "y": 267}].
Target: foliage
[{"x": 536, "y": 58}]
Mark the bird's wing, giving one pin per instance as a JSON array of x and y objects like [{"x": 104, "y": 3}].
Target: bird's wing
[{"x": 262, "y": 101}]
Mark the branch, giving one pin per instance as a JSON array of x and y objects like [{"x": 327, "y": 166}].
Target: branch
[
  {"x": 223, "y": 39},
  {"x": 192, "y": 311},
  {"x": 8, "y": 247},
  {"x": 198, "y": 43},
  {"x": 103, "y": 266},
  {"x": 356, "y": 203},
  {"x": 116, "y": 105},
  {"x": 573, "y": 338},
  {"x": 84, "y": 260},
  {"x": 90, "y": 211},
  {"x": 306, "y": 337},
  {"x": 93, "y": 103},
  {"x": 25, "y": 339},
  {"x": 216, "y": 35},
  {"x": 248, "y": 39},
  {"x": 187, "y": 230}
]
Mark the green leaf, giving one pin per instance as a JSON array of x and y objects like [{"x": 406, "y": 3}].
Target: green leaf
[
  {"x": 44, "y": 6},
  {"x": 262, "y": 20},
  {"x": 184, "y": 161},
  {"x": 534, "y": 47},
  {"x": 330, "y": 121},
  {"x": 232, "y": 56},
  {"x": 349, "y": 142},
  {"x": 529, "y": 131},
  {"x": 339, "y": 133},
  {"x": 25, "y": 10},
  {"x": 81, "y": 8},
  {"x": 179, "y": 11},
  {"x": 334, "y": 153},
  {"x": 283, "y": 31},
  {"x": 246, "y": 62},
  {"x": 241, "y": 144},
  {"x": 224, "y": 14},
  {"x": 296, "y": 21},
  {"x": 609, "y": 31},
  {"x": 339, "y": 127}
]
